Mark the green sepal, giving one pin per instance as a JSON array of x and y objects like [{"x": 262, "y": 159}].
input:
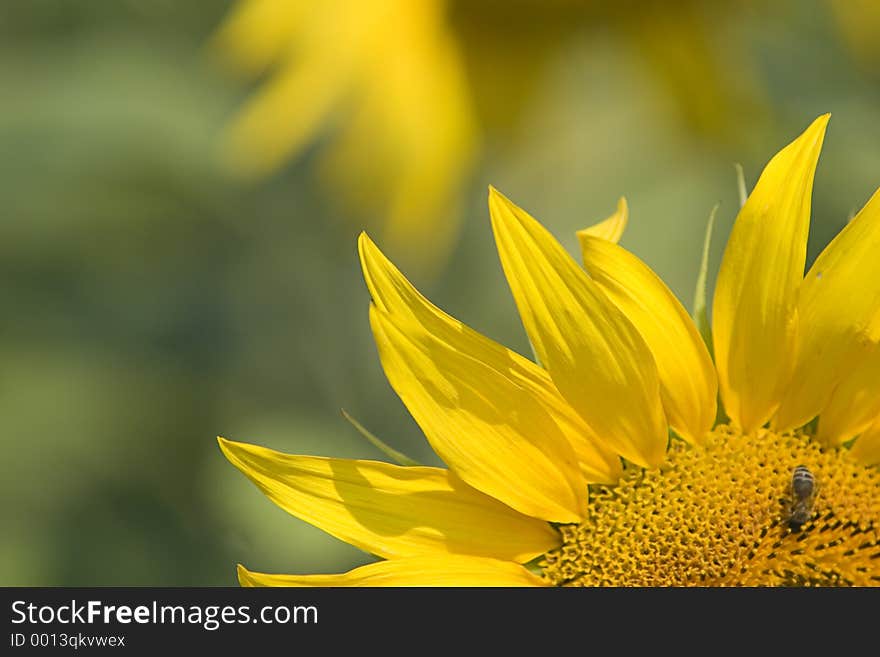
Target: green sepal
[
  {"x": 741, "y": 184},
  {"x": 398, "y": 457},
  {"x": 700, "y": 313}
]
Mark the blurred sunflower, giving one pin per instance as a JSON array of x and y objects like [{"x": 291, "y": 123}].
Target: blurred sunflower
[
  {"x": 606, "y": 464},
  {"x": 859, "y": 22},
  {"x": 409, "y": 89}
]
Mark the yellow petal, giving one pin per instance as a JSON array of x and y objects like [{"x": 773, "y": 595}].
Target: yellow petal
[
  {"x": 838, "y": 316},
  {"x": 410, "y": 571},
  {"x": 490, "y": 431},
  {"x": 256, "y": 33},
  {"x": 867, "y": 446},
  {"x": 283, "y": 116},
  {"x": 854, "y": 403},
  {"x": 394, "y": 294},
  {"x": 594, "y": 354},
  {"x": 310, "y": 75},
  {"x": 391, "y": 510},
  {"x": 688, "y": 384},
  {"x": 599, "y": 463},
  {"x": 610, "y": 229},
  {"x": 754, "y": 318}
]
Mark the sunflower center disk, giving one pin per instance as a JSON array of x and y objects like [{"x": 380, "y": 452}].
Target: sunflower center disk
[{"x": 721, "y": 514}]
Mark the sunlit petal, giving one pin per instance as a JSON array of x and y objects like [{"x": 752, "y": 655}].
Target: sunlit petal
[
  {"x": 259, "y": 32},
  {"x": 489, "y": 430},
  {"x": 839, "y": 316},
  {"x": 391, "y": 510},
  {"x": 594, "y": 354},
  {"x": 610, "y": 229},
  {"x": 854, "y": 403},
  {"x": 410, "y": 571},
  {"x": 754, "y": 320},
  {"x": 867, "y": 446},
  {"x": 394, "y": 294},
  {"x": 688, "y": 384}
]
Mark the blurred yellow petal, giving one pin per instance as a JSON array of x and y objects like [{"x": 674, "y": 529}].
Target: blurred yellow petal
[
  {"x": 610, "y": 229},
  {"x": 410, "y": 138},
  {"x": 489, "y": 430},
  {"x": 409, "y": 571},
  {"x": 678, "y": 44},
  {"x": 258, "y": 32},
  {"x": 391, "y": 510},
  {"x": 688, "y": 384},
  {"x": 754, "y": 319},
  {"x": 867, "y": 446},
  {"x": 838, "y": 316},
  {"x": 854, "y": 403},
  {"x": 312, "y": 75},
  {"x": 385, "y": 80},
  {"x": 394, "y": 294},
  {"x": 594, "y": 354},
  {"x": 282, "y": 116},
  {"x": 859, "y": 23}
]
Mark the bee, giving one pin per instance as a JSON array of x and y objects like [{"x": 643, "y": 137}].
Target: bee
[{"x": 803, "y": 489}]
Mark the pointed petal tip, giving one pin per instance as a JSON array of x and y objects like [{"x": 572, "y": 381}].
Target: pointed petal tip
[
  {"x": 504, "y": 214},
  {"x": 364, "y": 240},
  {"x": 369, "y": 504},
  {"x": 610, "y": 229},
  {"x": 754, "y": 318},
  {"x": 820, "y": 124},
  {"x": 373, "y": 262},
  {"x": 813, "y": 137},
  {"x": 366, "y": 247},
  {"x": 494, "y": 196},
  {"x": 243, "y": 575},
  {"x": 497, "y": 198},
  {"x": 232, "y": 450}
]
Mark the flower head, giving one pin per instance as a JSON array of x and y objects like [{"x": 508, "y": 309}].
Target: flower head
[
  {"x": 603, "y": 463},
  {"x": 402, "y": 95},
  {"x": 406, "y": 92}
]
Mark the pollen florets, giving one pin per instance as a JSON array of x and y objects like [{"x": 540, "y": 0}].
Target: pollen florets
[{"x": 719, "y": 514}]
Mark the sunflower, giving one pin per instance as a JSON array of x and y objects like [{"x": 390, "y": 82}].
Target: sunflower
[
  {"x": 402, "y": 97},
  {"x": 607, "y": 461},
  {"x": 392, "y": 69}
]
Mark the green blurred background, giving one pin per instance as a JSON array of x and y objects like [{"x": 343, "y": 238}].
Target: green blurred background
[{"x": 155, "y": 297}]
